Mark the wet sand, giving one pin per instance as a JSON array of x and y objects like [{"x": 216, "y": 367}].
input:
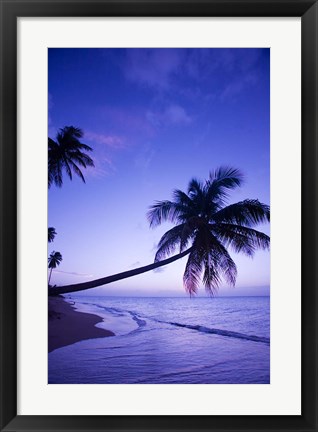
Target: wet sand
[{"x": 67, "y": 326}]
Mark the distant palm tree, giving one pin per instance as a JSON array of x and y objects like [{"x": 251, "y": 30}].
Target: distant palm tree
[
  {"x": 51, "y": 234},
  {"x": 207, "y": 226},
  {"x": 66, "y": 153},
  {"x": 54, "y": 260}
]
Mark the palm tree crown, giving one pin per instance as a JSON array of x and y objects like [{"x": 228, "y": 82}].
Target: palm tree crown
[
  {"x": 54, "y": 260},
  {"x": 51, "y": 234},
  {"x": 208, "y": 227},
  {"x": 66, "y": 153}
]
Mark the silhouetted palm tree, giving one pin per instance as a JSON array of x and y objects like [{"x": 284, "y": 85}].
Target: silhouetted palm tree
[
  {"x": 66, "y": 153},
  {"x": 51, "y": 234},
  {"x": 210, "y": 227},
  {"x": 207, "y": 227},
  {"x": 54, "y": 260}
]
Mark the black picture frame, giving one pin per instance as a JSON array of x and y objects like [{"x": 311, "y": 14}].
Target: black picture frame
[{"x": 10, "y": 11}]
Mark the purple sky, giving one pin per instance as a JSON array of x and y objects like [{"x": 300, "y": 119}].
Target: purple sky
[{"x": 155, "y": 118}]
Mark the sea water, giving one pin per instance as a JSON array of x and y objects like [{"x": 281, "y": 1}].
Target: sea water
[{"x": 220, "y": 340}]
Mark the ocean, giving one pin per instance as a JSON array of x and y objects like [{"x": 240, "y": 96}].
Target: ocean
[{"x": 219, "y": 340}]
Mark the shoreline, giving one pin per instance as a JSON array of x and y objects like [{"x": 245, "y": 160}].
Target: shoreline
[{"x": 67, "y": 325}]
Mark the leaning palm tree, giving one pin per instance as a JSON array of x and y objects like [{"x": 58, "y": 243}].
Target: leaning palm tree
[
  {"x": 210, "y": 227},
  {"x": 51, "y": 234},
  {"x": 205, "y": 228},
  {"x": 67, "y": 153},
  {"x": 54, "y": 260}
]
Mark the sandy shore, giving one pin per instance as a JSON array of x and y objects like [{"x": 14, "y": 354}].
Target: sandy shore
[{"x": 67, "y": 326}]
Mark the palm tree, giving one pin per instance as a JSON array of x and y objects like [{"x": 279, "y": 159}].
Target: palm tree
[
  {"x": 54, "y": 260},
  {"x": 66, "y": 153},
  {"x": 205, "y": 228},
  {"x": 51, "y": 234},
  {"x": 210, "y": 227}
]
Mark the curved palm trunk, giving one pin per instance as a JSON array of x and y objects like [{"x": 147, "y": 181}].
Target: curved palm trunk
[
  {"x": 50, "y": 275},
  {"x": 113, "y": 278}
]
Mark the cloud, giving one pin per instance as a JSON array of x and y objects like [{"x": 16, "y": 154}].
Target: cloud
[
  {"x": 113, "y": 141},
  {"x": 103, "y": 167},
  {"x": 175, "y": 114},
  {"x": 234, "y": 88},
  {"x": 103, "y": 161},
  {"x": 201, "y": 63},
  {"x": 194, "y": 73},
  {"x": 104, "y": 148},
  {"x": 145, "y": 156},
  {"x": 133, "y": 122},
  {"x": 74, "y": 273},
  {"x": 159, "y": 270},
  {"x": 172, "y": 115},
  {"x": 152, "y": 67},
  {"x": 237, "y": 65}
]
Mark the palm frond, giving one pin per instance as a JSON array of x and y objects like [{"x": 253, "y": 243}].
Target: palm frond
[
  {"x": 226, "y": 177},
  {"x": 211, "y": 278},
  {"x": 56, "y": 172},
  {"x": 195, "y": 189},
  {"x": 82, "y": 146},
  {"x": 182, "y": 198},
  {"x": 178, "y": 236},
  {"x": 192, "y": 273},
  {"x": 247, "y": 212},
  {"x": 169, "y": 242},
  {"x": 67, "y": 153},
  {"x": 51, "y": 234},
  {"x": 216, "y": 261},
  {"x": 71, "y": 131},
  {"x": 224, "y": 264},
  {"x": 77, "y": 170},
  {"x": 52, "y": 145},
  {"x": 240, "y": 238},
  {"x": 163, "y": 211},
  {"x": 68, "y": 168},
  {"x": 187, "y": 234},
  {"x": 80, "y": 158},
  {"x": 52, "y": 156},
  {"x": 220, "y": 182},
  {"x": 50, "y": 178}
]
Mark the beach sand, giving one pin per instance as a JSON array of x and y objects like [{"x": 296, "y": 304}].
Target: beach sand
[{"x": 67, "y": 326}]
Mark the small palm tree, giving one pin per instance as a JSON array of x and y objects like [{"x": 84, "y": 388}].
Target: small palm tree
[
  {"x": 206, "y": 228},
  {"x": 51, "y": 234},
  {"x": 54, "y": 260},
  {"x": 67, "y": 153}
]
